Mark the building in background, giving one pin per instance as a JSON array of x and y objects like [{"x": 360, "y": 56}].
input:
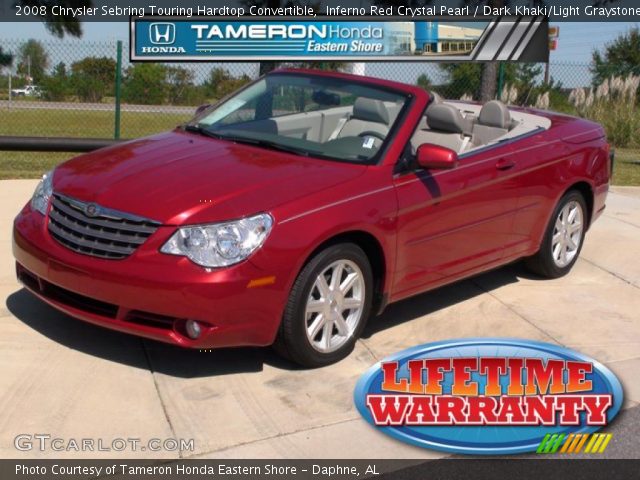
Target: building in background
[{"x": 433, "y": 38}]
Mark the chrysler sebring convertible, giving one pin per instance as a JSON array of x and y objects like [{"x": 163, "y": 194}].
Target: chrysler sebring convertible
[{"x": 294, "y": 210}]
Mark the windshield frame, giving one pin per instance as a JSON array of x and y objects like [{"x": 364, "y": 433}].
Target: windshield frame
[{"x": 376, "y": 159}]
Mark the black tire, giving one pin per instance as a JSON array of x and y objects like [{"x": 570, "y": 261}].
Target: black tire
[
  {"x": 292, "y": 340},
  {"x": 542, "y": 263}
]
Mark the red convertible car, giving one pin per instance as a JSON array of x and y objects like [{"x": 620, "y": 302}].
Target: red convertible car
[{"x": 303, "y": 204}]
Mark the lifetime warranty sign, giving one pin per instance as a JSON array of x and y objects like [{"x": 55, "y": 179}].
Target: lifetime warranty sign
[{"x": 207, "y": 39}]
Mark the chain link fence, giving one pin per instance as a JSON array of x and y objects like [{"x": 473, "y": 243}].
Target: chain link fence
[{"x": 68, "y": 89}]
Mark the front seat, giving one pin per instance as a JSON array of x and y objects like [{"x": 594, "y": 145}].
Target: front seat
[
  {"x": 493, "y": 122},
  {"x": 436, "y": 99},
  {"x": 368, "y": 115}
]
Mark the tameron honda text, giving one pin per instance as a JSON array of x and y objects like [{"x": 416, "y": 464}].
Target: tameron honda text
[{"x": 487, "y": 396}]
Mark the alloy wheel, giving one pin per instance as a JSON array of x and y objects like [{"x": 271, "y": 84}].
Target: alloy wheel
[
  {"x": 335, "y": 305},
  {"x": 567, "y": 234}
]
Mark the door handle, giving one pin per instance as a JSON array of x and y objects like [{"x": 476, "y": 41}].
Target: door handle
[{"x": 505, "y": 164}]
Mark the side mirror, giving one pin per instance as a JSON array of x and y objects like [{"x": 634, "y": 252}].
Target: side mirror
[
  {"x": 202, "y": 108},
  {"x": 436, "y": 157}
]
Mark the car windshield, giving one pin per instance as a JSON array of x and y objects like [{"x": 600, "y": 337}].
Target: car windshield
[{"x": 307, "y": 115}]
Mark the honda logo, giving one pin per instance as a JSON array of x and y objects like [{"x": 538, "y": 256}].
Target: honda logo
[{"x": 162, "y": 33}]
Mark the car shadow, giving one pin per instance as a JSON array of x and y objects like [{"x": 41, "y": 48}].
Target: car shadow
[
  {"x": 135, "y": 351},
  {"x": 443, "y": 297},
  {"x": 185, "y": 363}
]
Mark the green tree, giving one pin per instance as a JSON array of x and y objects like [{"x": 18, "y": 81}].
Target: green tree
[
  {"x": 620, "y": 58},
  {"x": 145, "y": 83},
  {"x": 526, "y": 78},
  {"x": 93, "y": 78},
  {"x": 463, "y": 78},
  {"x": 221, "y": 83},
  {"x": 466, "y": 78},
  {"x": 33, "y": 60},
  {"x": 5, "y": 58},
  {"x": 487, "y": 88},
  {"x": 424, "y": 82},
  {"x": 179, "y": 85},
  {"x": 57, "y": 86}
]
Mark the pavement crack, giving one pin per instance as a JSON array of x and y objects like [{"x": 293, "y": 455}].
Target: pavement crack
[
  {"x": 366, "y": 347},
  {"x": 273, "y": 437},
  {"x": 157, "y": 387},
  {"x": 604, "y": 269},
  {"x": 626, "y": 222},
  {"x": 516, "y": 312}
]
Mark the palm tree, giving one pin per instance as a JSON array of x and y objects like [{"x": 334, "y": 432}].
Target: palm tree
[
  {"x": 267, "y": 66},
  {"x": 59, "y": 25},
  {"x": 489, "y": 78}
]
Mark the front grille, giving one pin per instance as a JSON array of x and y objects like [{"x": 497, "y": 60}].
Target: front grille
[{"x": 101, "y": 232}]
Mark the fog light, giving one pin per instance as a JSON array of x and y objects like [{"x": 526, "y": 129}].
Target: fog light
[{"x": 193, "y": 329}]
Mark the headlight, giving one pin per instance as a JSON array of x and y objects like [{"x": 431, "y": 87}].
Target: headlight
[
  {"x": 220, "y": 244},
  {"x": 42, "y": 194}
]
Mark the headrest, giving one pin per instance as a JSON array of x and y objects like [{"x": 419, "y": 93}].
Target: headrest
[
  {"x": 495, "y": 114},
  {"x": 370, "y": 110},
  {"x": 445, "y": 118},
  {"x": 436, "y": 98}
]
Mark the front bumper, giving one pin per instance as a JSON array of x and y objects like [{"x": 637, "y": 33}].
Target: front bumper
[{"x": 150, "y": 294}]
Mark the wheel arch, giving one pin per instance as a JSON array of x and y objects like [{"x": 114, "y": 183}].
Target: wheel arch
[
  {"x": 374, "y": 250},
  {"x": 586, "y": 190}
]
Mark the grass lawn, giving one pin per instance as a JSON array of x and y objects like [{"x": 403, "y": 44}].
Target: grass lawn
[
  {"x": 70, "y": 123},
  {"x": 626, "y": 170},
  {"x": 84, "y": 123},
  {"x": 76, "y": 123}
]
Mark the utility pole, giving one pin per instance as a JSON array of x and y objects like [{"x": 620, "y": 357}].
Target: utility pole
[{"x": 546, "y": 73}]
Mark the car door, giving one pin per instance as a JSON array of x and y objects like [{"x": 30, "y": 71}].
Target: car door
[
  {"x": 540, "y": 175},
  {"x": 453, "y": 223}
]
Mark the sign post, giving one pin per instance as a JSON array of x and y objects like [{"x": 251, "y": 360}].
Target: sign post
[{"x": 554, "y": 33}]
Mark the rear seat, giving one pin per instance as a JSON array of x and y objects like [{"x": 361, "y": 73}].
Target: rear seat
[
  {"x": 494, "y": 121},
  {"x": 447, "y": 127}
]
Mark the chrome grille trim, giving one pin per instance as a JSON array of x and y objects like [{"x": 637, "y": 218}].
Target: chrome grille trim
[{"x": 108, "y": 234}]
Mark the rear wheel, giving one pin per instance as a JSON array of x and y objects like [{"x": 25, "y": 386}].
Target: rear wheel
[
  {"x": 563, "y": 238},
  {"x": 328, "y": 307}
]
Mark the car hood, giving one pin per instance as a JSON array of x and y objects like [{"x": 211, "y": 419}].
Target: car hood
[{"x": 180, "y": 178}]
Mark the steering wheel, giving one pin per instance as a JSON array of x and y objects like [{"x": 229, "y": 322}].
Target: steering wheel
[{"x": 371, "y": 133}]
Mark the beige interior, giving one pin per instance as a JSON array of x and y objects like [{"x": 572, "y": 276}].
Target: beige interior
[
  {"x": 463, "y": 129},
  {"x": 320, "y": 126},
  {"x": 476, "y": 135}
]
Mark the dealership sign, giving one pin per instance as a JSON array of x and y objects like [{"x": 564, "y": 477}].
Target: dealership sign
[
  {"x": 193, "y": 39},
  {"x": 487, "y": 396}
]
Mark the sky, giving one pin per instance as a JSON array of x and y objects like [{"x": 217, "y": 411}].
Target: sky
[{"x": 576, "y": 43}]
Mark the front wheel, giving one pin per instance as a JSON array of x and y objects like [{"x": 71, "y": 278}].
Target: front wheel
[
  {"x": 328, "y": 307},
  {"x": 563, "y": 238}
]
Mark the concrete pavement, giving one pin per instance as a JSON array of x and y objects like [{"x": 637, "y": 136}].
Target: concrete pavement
[{"x": 73, "y": 380}]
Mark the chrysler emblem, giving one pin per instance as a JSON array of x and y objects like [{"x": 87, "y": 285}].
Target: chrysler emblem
[{"x": 91, "y": 210}]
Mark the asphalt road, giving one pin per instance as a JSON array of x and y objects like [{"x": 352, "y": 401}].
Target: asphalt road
[{"x": 73, "y": 380}]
